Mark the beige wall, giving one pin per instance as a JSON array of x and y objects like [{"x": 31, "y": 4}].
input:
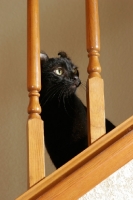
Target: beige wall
[
  {"x": 13, "y": 99},
  {"x": 116, "y": 20},
  {"x": 62, "y": 28}
]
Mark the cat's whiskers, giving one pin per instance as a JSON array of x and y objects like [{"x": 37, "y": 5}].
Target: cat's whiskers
[
  {"x": 62, "y": 91},
  {"x": 54, "y": 91},
  {"x": 68, "y": 97},
  {"x": 83, "y": 86},
  {"x": 84, "y": 82},
  {"x": 47, "y": 93},
  {"x": 64, "y": 96}
]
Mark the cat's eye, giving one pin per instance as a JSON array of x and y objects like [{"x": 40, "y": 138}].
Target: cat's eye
[{"x": 58, "y": 71}]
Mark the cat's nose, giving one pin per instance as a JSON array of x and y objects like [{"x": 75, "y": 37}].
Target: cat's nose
[{"x": 77, "y": 80}]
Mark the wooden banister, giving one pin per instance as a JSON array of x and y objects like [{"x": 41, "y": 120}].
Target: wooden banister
[
  {"x": 85, "y": 171},
  {"x": 95, "y": 85},
  {"x": 35, "y": 124}
]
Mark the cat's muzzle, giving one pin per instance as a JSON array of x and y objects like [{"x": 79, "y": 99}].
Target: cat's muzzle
[
  {"x": 77, "y": 81},
  {"x": 75, "y": 85}
]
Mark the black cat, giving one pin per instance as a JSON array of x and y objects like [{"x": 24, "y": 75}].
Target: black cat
[{"x": 64, "y": 115}]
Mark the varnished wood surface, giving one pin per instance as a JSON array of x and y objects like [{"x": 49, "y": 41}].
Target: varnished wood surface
[
  {"x": 33, "y": 58},
  {"x": 35, "y": 133},
  {"x": 89, "y": 168},
  {"x": 96, "y": 109},
  {"x": 95, "y": 85},
  {"x": 36, "y": 159},
  {"x": 92, "y": 25}
]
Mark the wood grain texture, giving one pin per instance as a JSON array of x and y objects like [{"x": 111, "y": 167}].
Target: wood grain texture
[
  {"x": 35, "y": 130},
  {"x": 92, "y": 25},
  {"x": 95, "y": 85},
  {"x": 90, "y": 174},
  {"x": 89, "y": 168},
  {"x": 33, "y": 58},
  {"x": 35, "y": 151},
  {"x": 96, "y": 108}
]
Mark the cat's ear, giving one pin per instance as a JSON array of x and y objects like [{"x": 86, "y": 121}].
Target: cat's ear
[
  {"x": 63, "y": 55},
  {"x": 43, "y": 56}
]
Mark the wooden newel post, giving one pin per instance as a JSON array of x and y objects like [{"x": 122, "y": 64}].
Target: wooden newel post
[
  {"x": 95, "y": 85},
  {"x": 35, "y": 124}
]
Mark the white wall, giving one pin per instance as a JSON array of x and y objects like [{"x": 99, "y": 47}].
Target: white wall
[{"x": 62, "y": 28}]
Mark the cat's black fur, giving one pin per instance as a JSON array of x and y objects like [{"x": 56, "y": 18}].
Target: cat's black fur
[{"x": 64, "y": 115}]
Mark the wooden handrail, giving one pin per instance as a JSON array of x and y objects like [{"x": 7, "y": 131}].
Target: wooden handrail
[
  {"x": 35, "y": 124},
  {"x": 85, "y": 171},
  {"x": 95, "y": 85}
]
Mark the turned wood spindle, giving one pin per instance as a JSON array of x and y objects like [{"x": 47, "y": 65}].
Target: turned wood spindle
[
  {"x": 35, "y": 124},
  {"x": 95, "y": 85},
  {"x": 33, "y": 61}
]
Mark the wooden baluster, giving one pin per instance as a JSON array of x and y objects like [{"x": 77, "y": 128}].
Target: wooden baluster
[
  {"x": 35, "y": 124},
  {"x": 95, "y": 85}
]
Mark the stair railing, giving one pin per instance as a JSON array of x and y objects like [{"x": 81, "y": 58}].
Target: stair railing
[{"x": 95, "y": 87}]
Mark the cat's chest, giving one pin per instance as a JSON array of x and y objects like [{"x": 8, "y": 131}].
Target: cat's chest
[
  {"x": 68, "y": 116},
  {"x": 57, "y": 115}
]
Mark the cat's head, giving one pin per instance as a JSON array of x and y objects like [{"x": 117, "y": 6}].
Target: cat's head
[{"x": 59, "y": 73}]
